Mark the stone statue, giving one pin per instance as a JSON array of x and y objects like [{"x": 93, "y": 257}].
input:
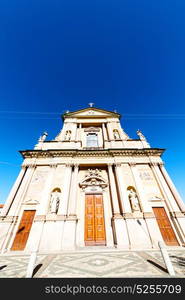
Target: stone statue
[
  {"x": 116, "y": 135},
  {"x": 54, "y": 203},
  {"x": 134, "y": 200},
  {"x": 68, "y": 135},
  {"x": 43, "y": 137},
  {"x": 141, "y": 136}
]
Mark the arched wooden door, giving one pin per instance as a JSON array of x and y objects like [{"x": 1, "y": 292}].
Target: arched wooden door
[{"x": 94, "y": 221}]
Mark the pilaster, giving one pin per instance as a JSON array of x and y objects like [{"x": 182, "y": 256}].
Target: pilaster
[
  {"x": 172, "y": 187},
  {"x": 13, "y": 192},
  {"x": 64, "y": 203},
  {"x": 144, "y": 204},
  {"x": 122, "y": 189},
  {"x": 115, "y": 204}
]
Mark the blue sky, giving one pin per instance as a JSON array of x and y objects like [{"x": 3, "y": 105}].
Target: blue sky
[{"x": 127, "y": 55}]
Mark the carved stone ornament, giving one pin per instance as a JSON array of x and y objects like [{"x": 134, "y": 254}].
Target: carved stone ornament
[
  {"x": 31, "y": 202},
  {"x": 92, "y": 129},
  {"x": 155, "y": 198},
  {"x": 93, "y": 178}
]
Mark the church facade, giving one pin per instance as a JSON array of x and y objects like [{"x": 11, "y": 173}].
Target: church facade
[{"x": 92, "y": 186}]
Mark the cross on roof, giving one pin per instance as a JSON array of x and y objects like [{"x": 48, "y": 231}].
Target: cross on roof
[{"x": 91, "y": 104}]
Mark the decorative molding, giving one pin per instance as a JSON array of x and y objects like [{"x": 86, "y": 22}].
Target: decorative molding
[
  {"x": 92, "y": 129},
  {"x": 8, "y": 219},
  {"x": 155, "y": 198},
  {"x": 127, "y": 215},
  {"x": 40, "y": 218},
  {"x": 53, "y": 165},
  {"x": 148, "y": 215},
  {"x": 132, "y": 164},
  {"x": 90, "y": 153},
  {"x": 61, "y": 217},
  {"x": 31, "y": 202},
  {"x": 117, "y": 216},
  {"x": 93, "y": 178},
  {"x": 28, "y": 165},
  {"x": 177, "y": 214},
  {"x": 118, "y": 164}
]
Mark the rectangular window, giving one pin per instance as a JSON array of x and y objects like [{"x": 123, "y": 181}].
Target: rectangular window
[{"x": 92, "y": 140}]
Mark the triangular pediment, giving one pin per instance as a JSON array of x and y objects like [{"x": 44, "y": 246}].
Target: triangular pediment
[{"x": 91, "y": 112}]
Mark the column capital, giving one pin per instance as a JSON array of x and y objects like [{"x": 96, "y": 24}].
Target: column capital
[
  {"x": 76, "y": 165},
  {"x": 118, "y": 164},
  {"x": 132, "y": 164},
  {"x": 53, "y": 165},
  {"x": 154, "y": 164},
  {"x": 68, "y": 165},
  {"x": 109, "y": 164},
  {"x": 28, "y": 165}
]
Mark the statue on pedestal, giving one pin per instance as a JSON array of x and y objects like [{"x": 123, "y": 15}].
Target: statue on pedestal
[
  {"x": 68, "y": 135},
  {"x": 54, "y": 202},
  {"x": 116, "y": 134},
  {"x": 134, "y": 200},
  {"x": 43, "y": 137},
  {"x": 141, "y": 136}
]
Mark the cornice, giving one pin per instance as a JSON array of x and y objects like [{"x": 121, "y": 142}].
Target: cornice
[{"x": 91, "y": 153}]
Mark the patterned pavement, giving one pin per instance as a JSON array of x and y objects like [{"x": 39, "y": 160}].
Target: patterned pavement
[{"x": 82, "y": 264}]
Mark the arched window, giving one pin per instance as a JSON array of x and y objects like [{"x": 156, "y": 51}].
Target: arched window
[
  {"x": 116, "y": 134},
  {"x": 92, "y": 140}
]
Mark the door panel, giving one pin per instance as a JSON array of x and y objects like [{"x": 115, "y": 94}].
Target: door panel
[
  {"x": 89, "y": 220},
  {"x": 94, "y": 220},
  {"x": 23, "y": 230},
  {"x": 165, "y": 226},
  {"x": 99, "y": 220}
]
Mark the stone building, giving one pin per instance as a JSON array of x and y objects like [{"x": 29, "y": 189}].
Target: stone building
[{"x": 92, "y": 186}]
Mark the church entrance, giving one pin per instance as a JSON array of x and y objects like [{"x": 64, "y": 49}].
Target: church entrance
[
  {"x": 165, "y": 227},
  {"x": 23, "y": 230},
  {"x": 94, "y": 220}
]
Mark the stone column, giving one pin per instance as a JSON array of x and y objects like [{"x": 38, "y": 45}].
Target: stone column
[
  {"x": 110, "y": 133},
  {"x": 107, "y": 217},
  {"x": 172, "y": 206},
  {"x": 15, "y": 208},
  {"x": 118, "y": 223},
  {"x": 45, "y": 198},
  {"x": 22, "y": 191},
  {"x": 172, "y": 187},
  {"x": 105, "y": 138},
  {"x": 73, "y": 193},
  {"x": 115, "y": 204},
  {"x": 64, "y": 203},
  {"x": 13, "y": 192},
  {"x": 139, "y": 188},
  {"x": 74, "y": 130},
  {"x": 69, "y": 233},
  {"x": 122, "y": 189}
]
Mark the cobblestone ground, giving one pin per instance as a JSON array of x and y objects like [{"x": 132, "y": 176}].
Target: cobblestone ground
[{"x": 99, "y": 264}]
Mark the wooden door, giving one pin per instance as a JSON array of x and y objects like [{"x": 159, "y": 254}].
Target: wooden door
[
  {"x": 23, "y": 230},
  {"x": 165, "y": 226},
  {"x": 94, "y": 221}
]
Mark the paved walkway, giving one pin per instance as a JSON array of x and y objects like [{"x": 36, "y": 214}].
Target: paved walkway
[{"x": 89, "y": 264}]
